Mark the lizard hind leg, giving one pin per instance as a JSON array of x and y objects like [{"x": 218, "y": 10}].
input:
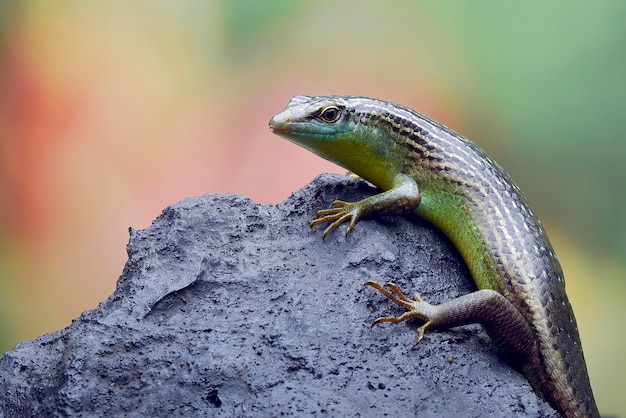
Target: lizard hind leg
[{"x": 493, "y": 311}]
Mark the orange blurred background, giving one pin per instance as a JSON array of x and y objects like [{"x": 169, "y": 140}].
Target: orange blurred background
[{"x": 110, "y": 111}]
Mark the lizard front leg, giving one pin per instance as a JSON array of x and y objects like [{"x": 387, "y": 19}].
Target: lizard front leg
[{"x": 404, "y": 197}]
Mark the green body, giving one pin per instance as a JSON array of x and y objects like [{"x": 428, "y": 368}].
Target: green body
[{"x": 428, "y": 169}]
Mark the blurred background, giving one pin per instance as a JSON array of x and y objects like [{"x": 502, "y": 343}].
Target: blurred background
[{"x": 112, "y": 110}]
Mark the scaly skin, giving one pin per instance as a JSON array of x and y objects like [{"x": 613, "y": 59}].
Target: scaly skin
[{"x": 430, "y": 170}]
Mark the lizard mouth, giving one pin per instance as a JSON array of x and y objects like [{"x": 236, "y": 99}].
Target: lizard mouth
[{"x": 276, "y": 129}]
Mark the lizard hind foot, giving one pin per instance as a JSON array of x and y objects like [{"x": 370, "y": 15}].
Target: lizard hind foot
[{"x": 416, "y": 308}]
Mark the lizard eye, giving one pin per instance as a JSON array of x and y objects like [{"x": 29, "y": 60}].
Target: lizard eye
[{"x": 330, "y": 114}]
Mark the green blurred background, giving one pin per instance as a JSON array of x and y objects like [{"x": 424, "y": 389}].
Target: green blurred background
[{"x": 112, "y": 110}]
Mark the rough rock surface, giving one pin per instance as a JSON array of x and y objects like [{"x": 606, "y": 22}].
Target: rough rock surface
[{"x": 229, "y": 308}]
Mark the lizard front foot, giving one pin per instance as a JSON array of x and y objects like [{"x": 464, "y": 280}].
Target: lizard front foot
[{"x": 338, "y": 213}]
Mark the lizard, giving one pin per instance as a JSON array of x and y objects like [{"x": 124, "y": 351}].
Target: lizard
[{"x": 426, "y": 168}]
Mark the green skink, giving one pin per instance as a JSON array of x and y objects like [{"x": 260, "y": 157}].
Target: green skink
[{"x": 426, "y": 168}]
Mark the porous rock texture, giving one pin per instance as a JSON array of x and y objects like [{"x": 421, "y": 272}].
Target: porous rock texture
[{"x": 230, "y": 308}]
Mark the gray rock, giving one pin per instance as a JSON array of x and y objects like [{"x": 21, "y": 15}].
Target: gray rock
[{"x": 229, "y": 308}]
